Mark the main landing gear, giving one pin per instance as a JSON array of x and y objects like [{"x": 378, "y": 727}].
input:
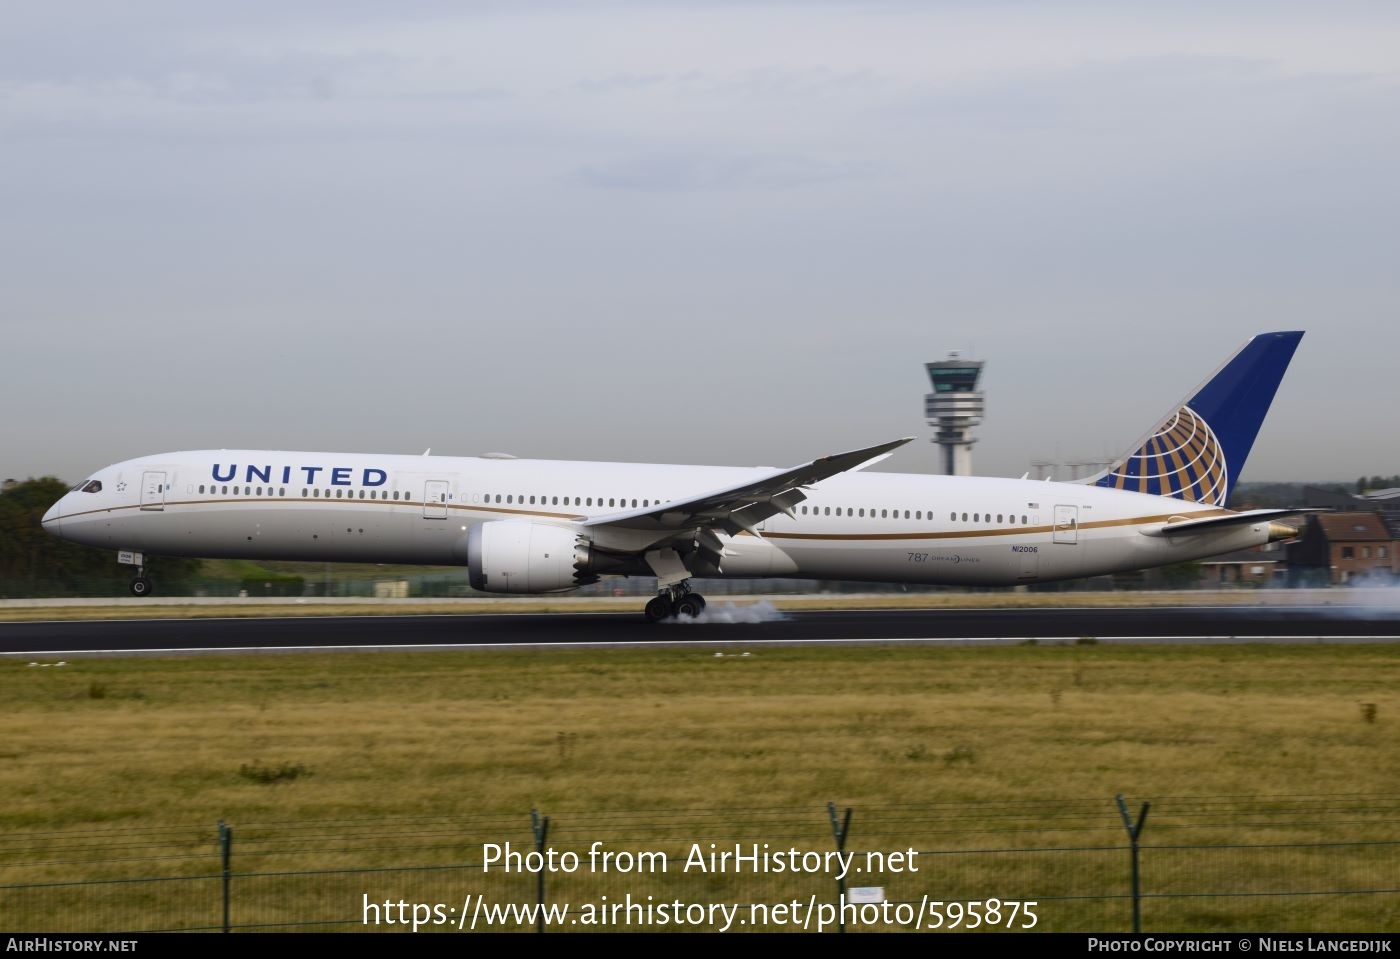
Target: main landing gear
[{"x": 675, "y": 600}]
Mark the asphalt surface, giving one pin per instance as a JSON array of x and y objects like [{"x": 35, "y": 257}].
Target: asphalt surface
[{"x": 1170, "y": 624}]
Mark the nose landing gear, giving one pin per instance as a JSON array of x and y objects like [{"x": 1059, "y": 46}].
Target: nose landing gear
[{"x": 141, "y": 585}]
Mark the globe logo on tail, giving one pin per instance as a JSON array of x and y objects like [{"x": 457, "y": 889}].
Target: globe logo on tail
[{"x": 1182, "y": 459}]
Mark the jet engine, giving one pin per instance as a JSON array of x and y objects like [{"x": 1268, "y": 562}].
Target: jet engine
[{"x": 516, "y": 556}]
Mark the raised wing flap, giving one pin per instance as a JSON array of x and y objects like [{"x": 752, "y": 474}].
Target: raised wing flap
[{"x": 742, "y": 507}]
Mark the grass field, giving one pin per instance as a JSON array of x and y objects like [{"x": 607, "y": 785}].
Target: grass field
[
  {"x": 388, "y": 734},
  {"x": 141, "y": 744}
]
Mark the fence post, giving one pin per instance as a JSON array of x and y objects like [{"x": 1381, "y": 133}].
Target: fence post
[
  {"x": 540, "y": 826},
  {"x": 840, "y": 829},
  {"x": 1134, "y": 831},
  {"x": 225, "y": 859}
]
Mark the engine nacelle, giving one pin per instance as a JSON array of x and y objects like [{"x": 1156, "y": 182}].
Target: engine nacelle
[{"x": 515, "y": 556}]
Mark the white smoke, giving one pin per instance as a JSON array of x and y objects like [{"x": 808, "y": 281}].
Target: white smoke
[
  {"x": 1371, "y": 601},
  {"x": 761, "y": 612}
]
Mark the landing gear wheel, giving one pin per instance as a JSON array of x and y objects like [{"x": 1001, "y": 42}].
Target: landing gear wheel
[
  {"x": 658, "y": 609},
  {"x": 691, "y": 605},
  {"x": 140, "y": 587}
]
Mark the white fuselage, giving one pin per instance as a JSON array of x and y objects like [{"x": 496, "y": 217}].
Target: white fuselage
[{"x": 418, "y": 509}]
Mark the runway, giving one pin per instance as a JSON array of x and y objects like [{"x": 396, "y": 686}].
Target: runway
[{"x": 1222, "y": 624}]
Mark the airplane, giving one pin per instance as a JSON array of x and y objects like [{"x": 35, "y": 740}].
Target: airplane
[{"x": 543, "y": 526}]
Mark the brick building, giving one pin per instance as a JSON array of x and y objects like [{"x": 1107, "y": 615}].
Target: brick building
[{"x": 1341, "y": 548}]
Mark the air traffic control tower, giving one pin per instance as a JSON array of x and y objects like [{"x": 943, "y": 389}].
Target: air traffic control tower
[{"x": 953, "y": 408}]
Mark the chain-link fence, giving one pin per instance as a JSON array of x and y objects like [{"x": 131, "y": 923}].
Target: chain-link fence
[{"x": 1266, "y": 864}]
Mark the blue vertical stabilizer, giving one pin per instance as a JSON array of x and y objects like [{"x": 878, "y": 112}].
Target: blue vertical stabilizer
[{"x": 1198, "y": 450}]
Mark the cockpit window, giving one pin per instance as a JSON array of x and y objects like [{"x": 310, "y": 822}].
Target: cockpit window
[{"x": 91, "y": 486}]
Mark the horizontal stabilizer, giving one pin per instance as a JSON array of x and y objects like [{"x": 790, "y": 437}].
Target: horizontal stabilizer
[{"x": 1212, "y": 523}]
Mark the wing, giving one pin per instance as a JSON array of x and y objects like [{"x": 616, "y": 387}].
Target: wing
[{"x": 732, "y": 509}]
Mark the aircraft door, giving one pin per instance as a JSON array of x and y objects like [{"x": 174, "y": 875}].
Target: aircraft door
[
  {"x": 435, "y": 499},
  {"x": 1067, "y": 525},
  {"x": 153, "y": 490}
]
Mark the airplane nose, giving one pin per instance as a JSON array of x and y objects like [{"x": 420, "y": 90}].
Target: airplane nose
[{"x": 53, "y": 519}]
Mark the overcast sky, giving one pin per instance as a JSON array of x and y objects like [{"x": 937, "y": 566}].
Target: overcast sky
[{"x": 690, "y": 232}]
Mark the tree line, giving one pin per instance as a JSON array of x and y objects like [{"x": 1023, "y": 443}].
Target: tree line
[
  {"x": 1374, "y": 483},
  {"x": 33, "y": 563}
]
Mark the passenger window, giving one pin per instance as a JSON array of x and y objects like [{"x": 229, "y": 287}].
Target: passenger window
[
  {"x": 998, "y": 517},
  {"x": 304, "y": 494}
]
